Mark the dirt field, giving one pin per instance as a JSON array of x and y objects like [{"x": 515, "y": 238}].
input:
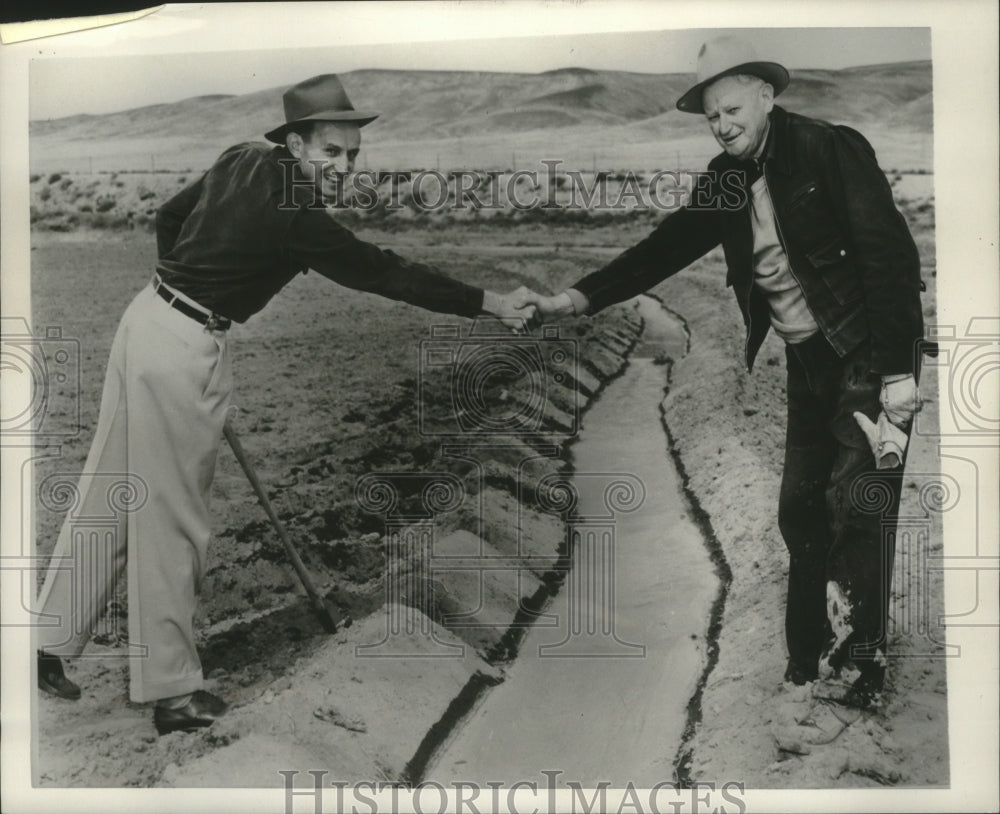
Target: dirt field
[{"x": 328, "y": 382}]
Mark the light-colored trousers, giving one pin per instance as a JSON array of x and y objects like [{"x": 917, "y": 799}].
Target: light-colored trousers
[{"x": 166, "y": 392}]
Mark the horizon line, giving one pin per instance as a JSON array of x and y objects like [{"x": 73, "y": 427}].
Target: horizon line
[{"x": 791, "y": 71}]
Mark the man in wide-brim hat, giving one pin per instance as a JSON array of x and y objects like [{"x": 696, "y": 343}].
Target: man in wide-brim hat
[
  {"x": 226, "y": 245},
  {"x": 815, "y": 249}
]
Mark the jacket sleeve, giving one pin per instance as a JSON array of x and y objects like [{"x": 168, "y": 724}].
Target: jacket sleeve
[
  {"x": 884, "y": 250},
  {"x": 171, "y": 216},
  {"x": 317, "y": 241},
  {"x": 681, "y": 238}
]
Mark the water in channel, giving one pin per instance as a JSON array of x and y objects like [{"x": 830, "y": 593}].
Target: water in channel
[{"x": 600, "y": 688}]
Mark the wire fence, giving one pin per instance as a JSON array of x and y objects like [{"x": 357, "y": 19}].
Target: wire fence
[{"x": 637, "y": 159}]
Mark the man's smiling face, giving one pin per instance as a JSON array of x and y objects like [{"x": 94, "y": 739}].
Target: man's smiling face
[
  {"x": 330, "y": 150},
  {"x": 736, "y": 108}
]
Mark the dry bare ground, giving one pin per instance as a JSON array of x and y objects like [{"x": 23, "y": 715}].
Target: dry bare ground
[
  {"x": 752, "y": 728},
  {"x": 327, "y": 383},
  {"x": 330, "y": 389}
]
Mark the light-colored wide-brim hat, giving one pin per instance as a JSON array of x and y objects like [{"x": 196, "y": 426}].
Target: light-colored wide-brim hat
[
  {"x": 320, "y": 99},
  {"x": 728, "y": 56}
]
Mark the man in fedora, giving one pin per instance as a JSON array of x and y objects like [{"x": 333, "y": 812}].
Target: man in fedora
[
  {"x": 815, "y": 249},
  {"x": 226, "y": 245}
]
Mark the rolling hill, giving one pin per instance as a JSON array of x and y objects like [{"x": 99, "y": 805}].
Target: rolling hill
[{"x": 476, "y": 119}]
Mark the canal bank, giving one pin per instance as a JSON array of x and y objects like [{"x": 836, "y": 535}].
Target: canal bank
[{"x": 601, "y": 688}]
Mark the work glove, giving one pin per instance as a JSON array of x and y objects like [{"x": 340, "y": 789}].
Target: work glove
[
  {"x": 888, "y": 442},
  {"x": 900, "y": 399}
]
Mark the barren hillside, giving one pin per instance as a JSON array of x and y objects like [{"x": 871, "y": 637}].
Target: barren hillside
[{"x": 611, "y": 119}]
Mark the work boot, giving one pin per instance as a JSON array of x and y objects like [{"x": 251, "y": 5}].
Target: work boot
[
  {"x": 52, "y": 679},
  {"x": 202, "y": 710},
  {"x": 799, "y": 674},
  {"x": 866, "y": 691}
]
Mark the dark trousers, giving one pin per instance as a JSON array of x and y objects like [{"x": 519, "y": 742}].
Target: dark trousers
[{"x": 837, "y": 514}]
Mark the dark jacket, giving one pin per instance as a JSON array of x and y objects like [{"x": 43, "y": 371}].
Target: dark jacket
[
  {"x": 234, "y": 238},
  {"x": 847, "y": 245}
]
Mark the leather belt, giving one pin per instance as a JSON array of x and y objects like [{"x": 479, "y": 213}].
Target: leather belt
[{"x": 211, "y": 321}]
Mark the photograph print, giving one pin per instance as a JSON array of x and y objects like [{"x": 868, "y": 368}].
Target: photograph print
[{"x": 552, "y": 413}]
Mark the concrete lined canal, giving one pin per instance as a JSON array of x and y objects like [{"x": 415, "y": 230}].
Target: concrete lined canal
[{"x": 600, "y": 689}]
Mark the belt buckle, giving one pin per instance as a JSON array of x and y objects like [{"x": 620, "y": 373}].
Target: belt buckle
[{"x": 213, "y": 322}]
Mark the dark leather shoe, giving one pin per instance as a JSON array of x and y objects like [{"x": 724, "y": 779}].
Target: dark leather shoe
[
  {"x": 799, "y": 675},
  {"x": 52, "y": 679},
  {"x": 202, "y": 710},
  {"x": 866, "y": 692}
]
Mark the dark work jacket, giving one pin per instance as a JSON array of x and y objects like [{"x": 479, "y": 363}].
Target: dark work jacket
[
  {"x": 847, "y": 245},
  {"x": 234, "y": 238}
]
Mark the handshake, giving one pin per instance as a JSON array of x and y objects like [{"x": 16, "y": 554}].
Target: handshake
[{"x": 523, "y": 308}]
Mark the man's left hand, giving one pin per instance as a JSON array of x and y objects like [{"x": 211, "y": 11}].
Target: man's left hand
[
  {"x": 515, "y": 310},
  {"x": 887, "y": 441},
  {"x": 900, "y": 399}
]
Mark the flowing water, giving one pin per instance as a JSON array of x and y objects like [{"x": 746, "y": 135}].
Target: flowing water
[{"x": 601, "y": 685}]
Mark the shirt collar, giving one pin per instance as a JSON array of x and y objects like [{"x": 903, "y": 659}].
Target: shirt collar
[{"x": 766, "y": 150}]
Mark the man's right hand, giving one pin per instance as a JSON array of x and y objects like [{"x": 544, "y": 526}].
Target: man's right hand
[{"x": 558, "y": 305}]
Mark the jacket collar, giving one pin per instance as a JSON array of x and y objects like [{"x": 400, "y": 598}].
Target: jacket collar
[{"x": 776, "y": 153}]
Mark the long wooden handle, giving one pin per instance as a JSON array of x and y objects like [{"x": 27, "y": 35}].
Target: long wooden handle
[{"x": 293, "y": 555}]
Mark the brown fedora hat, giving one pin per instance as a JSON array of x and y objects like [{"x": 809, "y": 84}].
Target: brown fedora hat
[
  {"x": 320, "y": 99},
  {"x": 728, "y": 56}
]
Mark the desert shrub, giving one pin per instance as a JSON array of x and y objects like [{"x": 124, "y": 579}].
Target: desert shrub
[
  {"x": 45, "y": 193},
  {"x": 553, "y": 216},
  {"x": 65, "y": 223},
  {"x": 33, "y": 178},
  {"x": 106, "y": 203},
  {"x": 148, "y": 225},
  {"x": 66, "y": 183},
  {"x": 182, "y": 179},
  {"x": 86, "y": 207},
  {"x": 622, "y": 177},
  {"x": 101, "y": 220},
  {"x": 54, "y": 177},
  {"x": 145, "y": 193}
]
